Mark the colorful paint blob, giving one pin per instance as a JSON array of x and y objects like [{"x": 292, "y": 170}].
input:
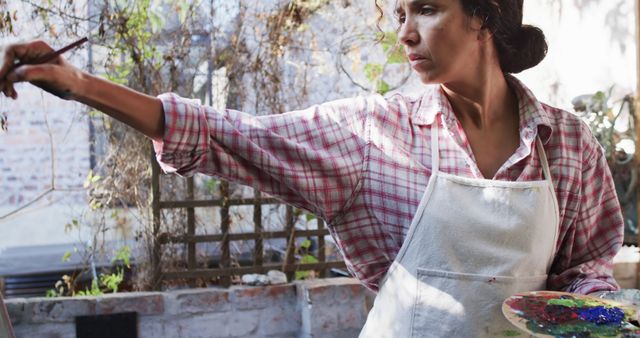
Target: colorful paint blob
[{"x": 561, "y": 314}]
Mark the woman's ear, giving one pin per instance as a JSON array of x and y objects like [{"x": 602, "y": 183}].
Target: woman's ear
[
  {"x": 479, "y": 24},
  {"x": 484, "y": 34}
]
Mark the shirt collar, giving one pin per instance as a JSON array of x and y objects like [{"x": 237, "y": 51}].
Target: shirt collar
[{"x": 534, "y": 119}]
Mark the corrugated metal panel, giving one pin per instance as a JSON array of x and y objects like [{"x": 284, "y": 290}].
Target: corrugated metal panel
[{"x": 35, "y": 285}]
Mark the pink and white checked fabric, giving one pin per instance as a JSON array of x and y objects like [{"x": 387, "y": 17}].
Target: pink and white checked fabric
[{"x": 362, "y": 164}]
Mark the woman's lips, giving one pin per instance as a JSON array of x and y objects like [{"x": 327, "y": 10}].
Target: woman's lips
[
  {"x": 414, "y": 57},
  {"x": 416, "y": 60}
]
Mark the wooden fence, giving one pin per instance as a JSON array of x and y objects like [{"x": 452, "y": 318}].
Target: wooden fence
[{"x": 225, "y": 269}]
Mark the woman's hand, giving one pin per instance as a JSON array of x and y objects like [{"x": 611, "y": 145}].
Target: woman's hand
[
  {"x": 140, "y": 111},
  {"x": 57, "y": 77}
]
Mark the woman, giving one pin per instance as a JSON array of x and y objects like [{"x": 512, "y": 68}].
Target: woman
[{"x": 445, "y": 204}]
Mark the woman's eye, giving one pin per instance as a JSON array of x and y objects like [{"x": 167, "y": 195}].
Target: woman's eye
[{"x": 427, "y": 10}]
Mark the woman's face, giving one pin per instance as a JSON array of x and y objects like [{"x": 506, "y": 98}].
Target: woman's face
[{"x": 440, "y": 40}]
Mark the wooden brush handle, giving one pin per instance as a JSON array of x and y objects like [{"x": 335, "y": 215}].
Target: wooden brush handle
[{"x": 52, "y": 55}]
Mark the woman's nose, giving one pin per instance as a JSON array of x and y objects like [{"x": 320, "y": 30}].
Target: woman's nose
[{"x": 408, "y": 35}]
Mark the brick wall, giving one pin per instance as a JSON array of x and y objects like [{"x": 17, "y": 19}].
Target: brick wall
[
  {"x": 335, "y": 307},
  {"x": 28, "y": 168},
  {"x": 38, "y": 121}
]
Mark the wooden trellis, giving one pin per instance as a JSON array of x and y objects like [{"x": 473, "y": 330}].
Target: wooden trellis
[{"x": 258, "y": 235}]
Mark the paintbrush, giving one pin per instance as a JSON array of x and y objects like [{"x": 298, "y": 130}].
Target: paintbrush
[{"x": 52, "y": 55}]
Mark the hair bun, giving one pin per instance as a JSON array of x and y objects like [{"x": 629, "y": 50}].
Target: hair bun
[{"x": 529, "y": 49}]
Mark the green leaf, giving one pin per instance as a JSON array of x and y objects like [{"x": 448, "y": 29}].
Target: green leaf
[
  {"x": 212, "y": 185},
  {"x": 308, "y": 259},
  {"x": 396, "y": 56},
  {"x": 383, "y": 87},
  {"x": 391, "y": 47},
  {"x": 389, "y": 40},
  {"x": 301, "y": 275},
  {"x": 123, "y": 255},
  {"x": 303, "y": 27},
  {"x": 87, "y": 181},
  {"x": 310, "y": 217},
  {"x": 91, "y": 179},
  {"x": 67, "y": 256},
  {"x": 112, "y": 281},
  {"x": 373, "y": 71},
  {"x": 306, "y": 244},
  {"x": 74, "y": 224},
  {"x": 600, "y": 96},
  {"x": 95, "y": 205},
  {"x": 94, "y": 291}
]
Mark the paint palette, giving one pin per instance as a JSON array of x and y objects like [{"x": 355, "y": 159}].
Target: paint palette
[{"x": 562, "y": 314}]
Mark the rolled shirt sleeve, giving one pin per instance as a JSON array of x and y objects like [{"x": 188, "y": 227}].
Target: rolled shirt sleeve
[{"x": 310, "y": 158}]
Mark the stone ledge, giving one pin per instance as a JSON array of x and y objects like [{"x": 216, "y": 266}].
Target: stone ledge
[
  {"x": 253, "y": 297},
  {"x": 331, "y": 291},
  {"x": 61, "y": 310},
  {"x": 198, "y": 301},
  {"x": 144, "y": 303},
  {"x": 339, "y": 305}
]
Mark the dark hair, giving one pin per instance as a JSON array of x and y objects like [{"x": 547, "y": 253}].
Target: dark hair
[{"x": 519, "y": 46}]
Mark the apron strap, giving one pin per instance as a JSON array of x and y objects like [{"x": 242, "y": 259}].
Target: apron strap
[
  {"x": 435, "y": 147},
  {"x": 543, "y": 159}
]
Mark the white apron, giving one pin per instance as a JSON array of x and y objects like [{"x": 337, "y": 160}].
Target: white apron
[{"x": 472, "y": 243}]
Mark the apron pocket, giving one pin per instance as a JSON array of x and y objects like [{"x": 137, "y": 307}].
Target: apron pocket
[{"x": 450, "y": 304}]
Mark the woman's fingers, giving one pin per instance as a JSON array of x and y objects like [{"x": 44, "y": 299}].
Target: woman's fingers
[
  {"x": 14, "y": 76},
  {"x": 7, "y": 90},
  {"x": 41, "y": 75},
  {"x": 20, "y": 52},
  {"x": 52, "y": 78},
  {"x": 13, "y": 93},
  {"x": 25, "y": 73},
  {"x": 6, "y": 60},
  {"x": 32, "y": 73}
]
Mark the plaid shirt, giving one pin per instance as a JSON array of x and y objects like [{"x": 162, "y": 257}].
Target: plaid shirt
[{"x": 362, "y": 164}]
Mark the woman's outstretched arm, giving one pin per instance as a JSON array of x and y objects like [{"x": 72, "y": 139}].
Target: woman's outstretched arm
[
  {"x": 140, "y": 111},
  {"x": 311, "y": 158}
]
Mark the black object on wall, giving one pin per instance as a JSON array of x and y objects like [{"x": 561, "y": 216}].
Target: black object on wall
[{"x": 121, "y": 325}]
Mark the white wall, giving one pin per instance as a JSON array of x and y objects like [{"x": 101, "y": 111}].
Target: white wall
[
  {"x": 592, "y": 46},
  {"x": 45, "y": 147}
]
